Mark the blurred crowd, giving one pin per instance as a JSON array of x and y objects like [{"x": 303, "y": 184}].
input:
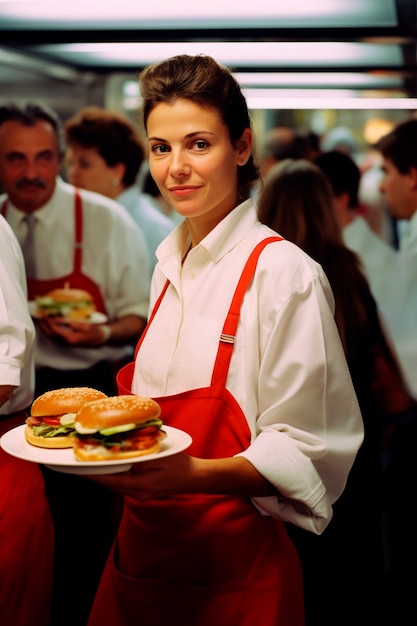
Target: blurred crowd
[{"x": 354, "y": 214}]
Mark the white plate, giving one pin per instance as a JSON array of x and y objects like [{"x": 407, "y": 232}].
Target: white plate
[
  {"x": 94, "y": 318},
  {"x": 14, "y": 442}
]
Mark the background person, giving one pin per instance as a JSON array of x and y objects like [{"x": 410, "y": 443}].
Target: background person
[
  {"x": 26, "y": 529},
  {"x": 90, "y": 242},
  {"x": 205, "y": 529},
  {"x": 105, "y": 153},
  {"x": 350, "y": 557},
  {"x": 392, "y": 276},
  {"x": 392, "y": 273}
]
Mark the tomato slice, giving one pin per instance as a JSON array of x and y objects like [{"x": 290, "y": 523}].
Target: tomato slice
[{"x": 51, "y": 420}]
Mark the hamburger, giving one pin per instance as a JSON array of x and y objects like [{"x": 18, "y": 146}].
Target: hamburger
[
  {"x": 72, "y": 304},
  {"x": 119, "y": 427},
  {"x": 52, "y": 416}
]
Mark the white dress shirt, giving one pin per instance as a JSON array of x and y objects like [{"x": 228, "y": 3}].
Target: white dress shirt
[
  {"x": 154, "y": 225},
  {"x": 392, "y": 276},
  {"x": 17, "y": 332},
  {"x": 114, "y": 256},
  {"x": 288, "y": 370}
]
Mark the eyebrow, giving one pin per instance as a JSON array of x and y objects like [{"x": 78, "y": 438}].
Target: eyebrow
[
  {"x": 14, "y": 153},
  {"x": 189, "y": 136}
]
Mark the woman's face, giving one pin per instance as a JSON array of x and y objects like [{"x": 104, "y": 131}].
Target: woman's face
[
  {"x": 87, "y": 169},
  {"x": 193, "y": 162}
]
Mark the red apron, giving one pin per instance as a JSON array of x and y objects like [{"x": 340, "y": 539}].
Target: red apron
[
  {"x": 76, "y": 279},
  {"x": 27, "y": 539},
  {"x": 202, "y": 560}
]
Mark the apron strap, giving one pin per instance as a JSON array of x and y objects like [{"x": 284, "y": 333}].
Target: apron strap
[
  {"x": 227, "y": 338},
  {"x": 78, "y": 247}
]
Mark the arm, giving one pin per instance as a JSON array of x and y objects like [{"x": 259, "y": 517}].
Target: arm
[{"x": 182, "y": 473}]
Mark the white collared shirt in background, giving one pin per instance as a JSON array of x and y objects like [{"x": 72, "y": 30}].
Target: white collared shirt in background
[
  {"x": 17, "y": 332},
  {"x": 392, "y": 276},
  {"x": 115, "y": 257}
]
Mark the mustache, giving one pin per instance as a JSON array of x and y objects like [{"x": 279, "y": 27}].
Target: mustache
[{"x": 38, "y": 182}]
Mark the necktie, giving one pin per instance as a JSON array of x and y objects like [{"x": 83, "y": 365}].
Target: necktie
[{"x": 28, "y": 246}]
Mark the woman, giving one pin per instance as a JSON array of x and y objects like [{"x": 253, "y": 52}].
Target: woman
[
  {"x": 105, "y": 154},
  {"x": 266, "y": 395},
  {"x": 348, "y": 558}
]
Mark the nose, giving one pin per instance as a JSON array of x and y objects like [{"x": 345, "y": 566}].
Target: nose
[
  {"x": 179, "y": 165},
  {"x": 31, "y": 169}
]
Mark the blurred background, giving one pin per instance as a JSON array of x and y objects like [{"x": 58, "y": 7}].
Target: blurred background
[{"x": 315, "y": 65}]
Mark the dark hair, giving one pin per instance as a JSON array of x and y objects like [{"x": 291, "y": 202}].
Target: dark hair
[
  {"x": 342, "y": 173},
  {"x": 297, "y": 202},
  {"x": 204, "y": 81},
  {"x": 284, "y": 142},
  {"x": 400, "y": 146},
  {"x": 114, "y": 136},
  {"x": 29, "y": 113}
]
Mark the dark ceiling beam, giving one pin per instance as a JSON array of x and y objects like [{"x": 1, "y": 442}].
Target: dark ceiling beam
[{"x": 405, "y": 32}]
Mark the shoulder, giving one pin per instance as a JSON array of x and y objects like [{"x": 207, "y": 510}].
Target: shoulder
[
  {"x": 104, "y": 213},
  {"x": 286, "y": 277},
  {"x": 284, "y": 257},
  {"x": 150, "y": 212}
]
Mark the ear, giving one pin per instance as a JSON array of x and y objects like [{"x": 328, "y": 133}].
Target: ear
[
  {"x": 118, "y": 171},
  {"x": 413, "y": 177},
  {"x": 244, "y": 147}
]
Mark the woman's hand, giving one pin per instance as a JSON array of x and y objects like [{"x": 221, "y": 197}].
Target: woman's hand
[{"x": 153, "y": 479}]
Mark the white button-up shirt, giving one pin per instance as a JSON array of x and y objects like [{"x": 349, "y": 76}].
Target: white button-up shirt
[
  {"x": 392, "y": 276},
  {"x": 17, "y": 332},
  {"x": 288, "y": 370},
  {"x": 114, "y": 256}
]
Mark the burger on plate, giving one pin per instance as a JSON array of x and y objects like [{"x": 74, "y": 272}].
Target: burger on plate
[
  {"x": 72, "y": 304},
  {"x": 52, "y": 416},
  {"x": 119, "y": 427}
]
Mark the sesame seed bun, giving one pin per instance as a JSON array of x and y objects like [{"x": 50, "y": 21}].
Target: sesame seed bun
[
  {"x": 67, "y": 294},
  {"x": 116, "y": 411},
  {"x": 65, "y": 400}
]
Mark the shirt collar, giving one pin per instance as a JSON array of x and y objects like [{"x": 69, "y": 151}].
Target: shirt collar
[
  {"x": 225, "y": 236},
  {"x": 42, "y": 214}
]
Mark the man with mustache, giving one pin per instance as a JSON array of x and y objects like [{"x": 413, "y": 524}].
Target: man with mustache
[{"x": 89, "y": 242}]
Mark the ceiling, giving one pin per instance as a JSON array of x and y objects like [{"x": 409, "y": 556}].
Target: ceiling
[{"x": 354, "y": 49}]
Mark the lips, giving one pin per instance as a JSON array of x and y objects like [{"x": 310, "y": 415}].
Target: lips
[{"x": 183, "y": 190}]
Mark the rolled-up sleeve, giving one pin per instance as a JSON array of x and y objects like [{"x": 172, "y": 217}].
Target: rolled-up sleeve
[{"x": 309, "y": 427}]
